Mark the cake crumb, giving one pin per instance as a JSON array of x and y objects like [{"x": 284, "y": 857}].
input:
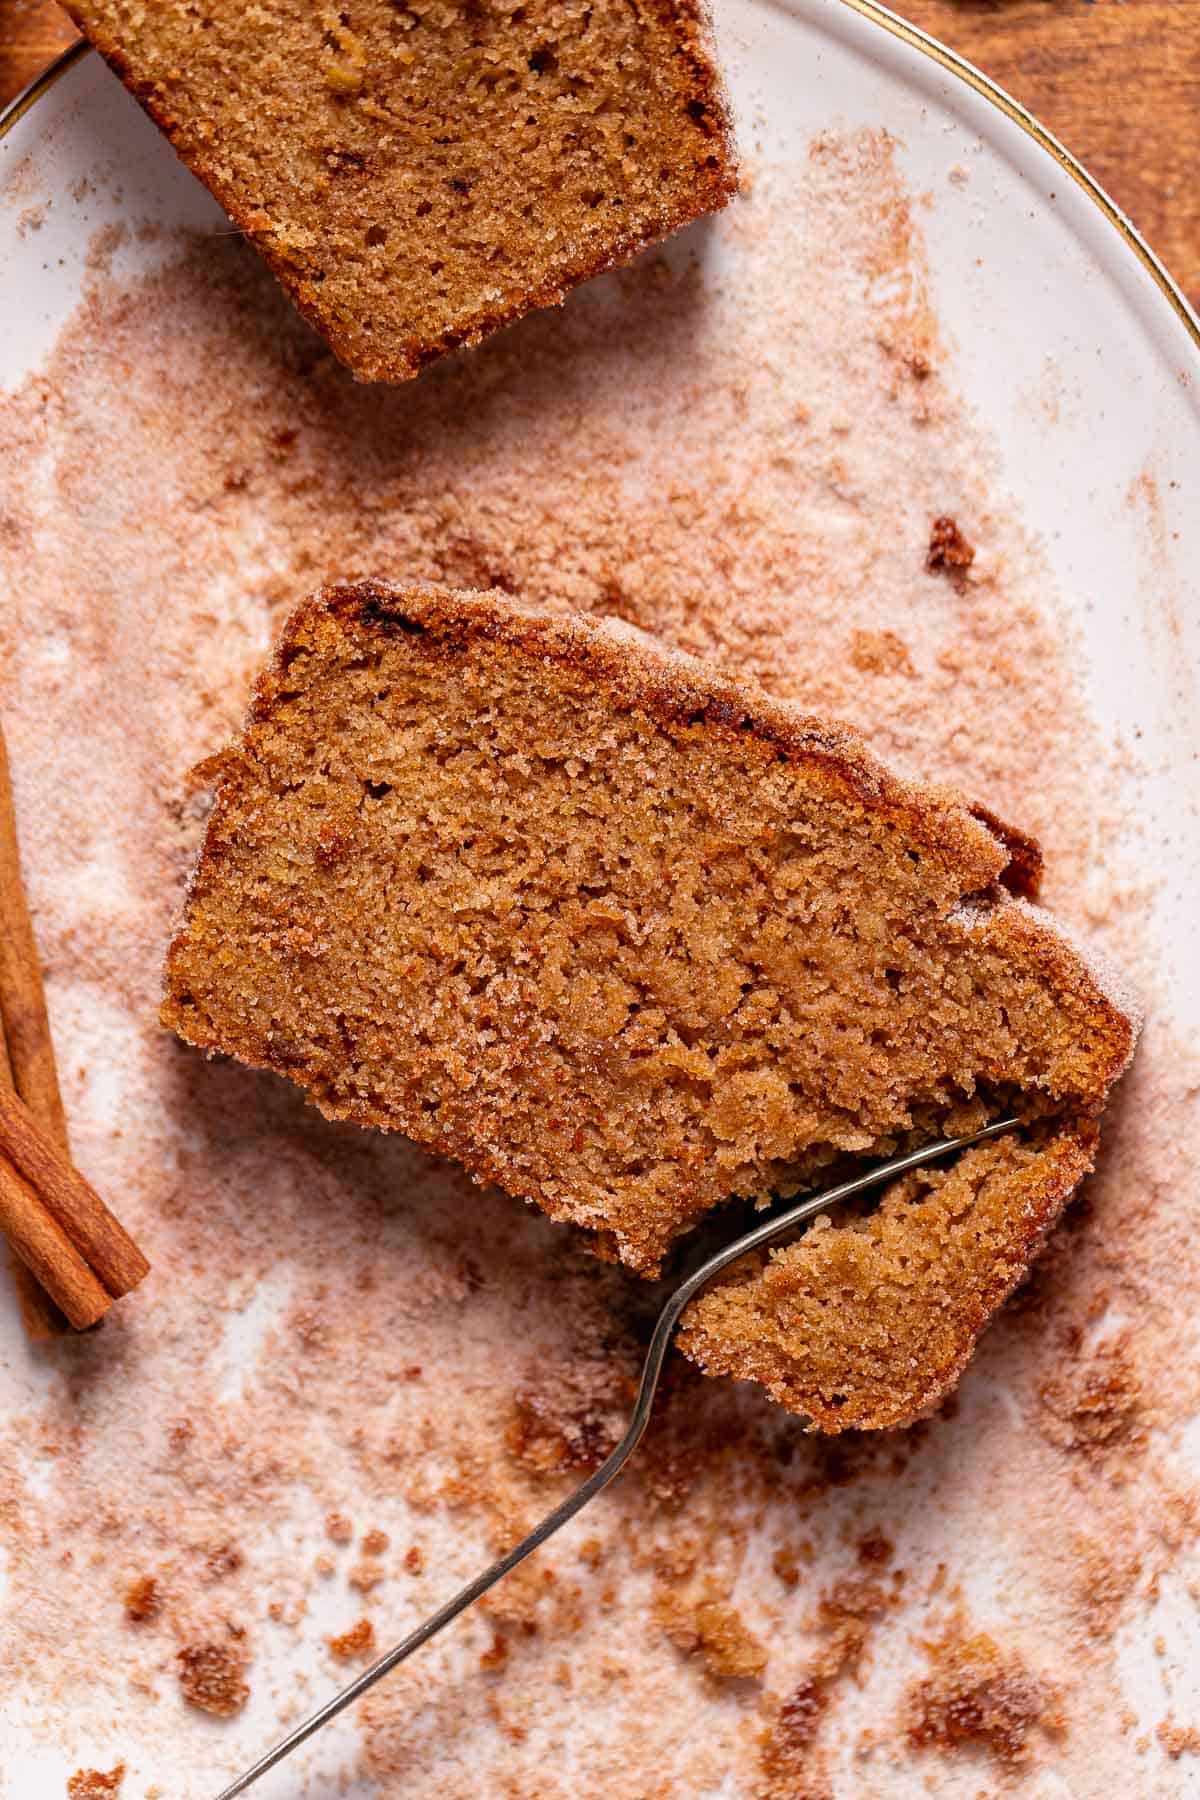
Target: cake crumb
[
  {"x": 570, "y": 1418},
  {"x": 366, "y": 1575},
  {"x": 358, "y": 1641},
  {"x": 949, "y": 552},
  {"x": 212, "y": 1678},
  {"x": 1178, "y": 1740},
  {"x": 784, "y": 1749},
  {"x": 983, "y": 1698},
  {"x": 414, "y": 1559},
  {"x": 730, "y": 1650},
  {"x": 714, "y": 1631},
  {"x": 375, "y": 1542},
  {"x": 92, "y": 1784},
  {"x": 845, "y": 1615},
  {"x": 143, "y": 1599},
  {"x": 338, "y": 1528},
  {"x": 880, "y": 653}
]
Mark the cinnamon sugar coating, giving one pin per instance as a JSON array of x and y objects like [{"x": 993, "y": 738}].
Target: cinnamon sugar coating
[
  {"x": 418, "y": 176},
  {"x": 627, "y": 938}
]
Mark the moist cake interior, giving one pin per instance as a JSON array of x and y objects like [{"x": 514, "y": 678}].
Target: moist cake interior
[{"x": 556, "y": 905}]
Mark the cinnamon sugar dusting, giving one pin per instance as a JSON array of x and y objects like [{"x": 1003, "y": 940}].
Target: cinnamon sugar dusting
[
  {"x": 351, "y": 1372},
  {"x": 222, "y": 1560}
]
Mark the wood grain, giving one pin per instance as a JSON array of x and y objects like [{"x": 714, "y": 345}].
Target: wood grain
[
  {"x": 1117, "y": 80},
  {"x": 32, "y": 32}
]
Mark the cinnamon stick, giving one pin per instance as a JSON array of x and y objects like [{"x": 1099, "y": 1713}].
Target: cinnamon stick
[
  {"x": 76, "y": 1206},
  {"x": 39, "y": 1315},
  {"x": 48, "y": 1253},
  {"x": 75, "y": 1258},
  {"x": 22, "y": 996},
  {"x": 33, "y": 1073}
]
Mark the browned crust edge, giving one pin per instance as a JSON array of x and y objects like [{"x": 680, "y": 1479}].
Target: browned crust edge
[
  {"x": 670, "y": 686},
  {"x": 1026, "y": 864},
  {"x": 713, "y": 188}
]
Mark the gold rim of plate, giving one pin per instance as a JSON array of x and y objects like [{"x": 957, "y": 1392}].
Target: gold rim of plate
[{"x": 919, "y": 40}]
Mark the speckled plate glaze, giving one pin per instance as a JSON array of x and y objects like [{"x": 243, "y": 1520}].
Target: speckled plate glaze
[{"x": 1076, "y": 351}]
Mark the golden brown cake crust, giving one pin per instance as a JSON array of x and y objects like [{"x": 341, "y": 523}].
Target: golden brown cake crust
[
  {"x": 627, "y": 937},
  {"x": 334, "y": 192},
  {"x": 669, "y": 685}
]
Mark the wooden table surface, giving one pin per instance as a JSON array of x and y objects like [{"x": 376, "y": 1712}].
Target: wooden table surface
[{"x": 1117, "y": 80}]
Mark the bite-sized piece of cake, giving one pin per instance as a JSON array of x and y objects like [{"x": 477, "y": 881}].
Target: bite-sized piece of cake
[
  {"x": 628, "y": 937},
  {"x": 870, "y": 1317},
  {"x": 418, "y": 175}
]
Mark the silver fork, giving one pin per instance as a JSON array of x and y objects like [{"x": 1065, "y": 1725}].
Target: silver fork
[{"x": 669, "y": 1317}]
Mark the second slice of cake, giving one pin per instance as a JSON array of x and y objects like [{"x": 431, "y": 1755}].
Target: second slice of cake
[
  {"x": 419, "y": 175},
  {"x": 629, "y": 938}
]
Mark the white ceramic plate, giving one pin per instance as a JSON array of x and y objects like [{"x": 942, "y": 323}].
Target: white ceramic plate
[{"x": 1040, "y": 288}]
